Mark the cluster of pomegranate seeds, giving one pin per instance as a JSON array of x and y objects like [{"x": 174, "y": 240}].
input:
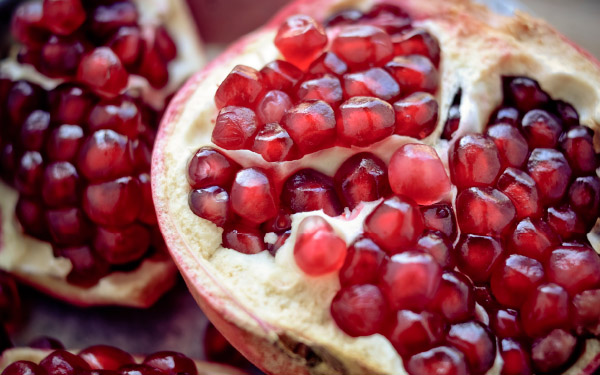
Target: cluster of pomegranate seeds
[
  {"x": 103, "y": 359},
  {"x": 79, "y": 154}
]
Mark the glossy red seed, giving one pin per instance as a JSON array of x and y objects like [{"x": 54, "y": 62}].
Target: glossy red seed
[
  {"x": 361, "y": 178},
  {"x": 394, "y": 224},
  {"x": 88, "y": 266},
  {"x": 63, "y": 363},
  {"x": 515, "y": 358},
  {"x": 68, "y": 226},
  {"x": 365, "y": 120},
  {"x": 417, "y": 42},
  {"x": 566, "y": 223},
  {"x": 23, "y": 368},
  {"x": 301, "y": 39},
  {"x": 578, "y": 146},
  {"x": 164, "y": 44},
  {"x": 344, "y": 17},
  {"x": 242, "y": 87},
  {"x": 533, "y": 238},
  {"x": 387, "y": 17},
  {"x": 70, "y": 104},
  {"x": 477, "y": 344},
  {"x": 525, "y": 93},
  {"x": 438, "y": 246},
  {"x": 311, "y": 125},
  {"x": 484, "y": 211},
  {"x": 60, "y": 56},
  {"x": 410, "y": 280},
  {"x": 318, "y": 249},
  {"x": 127, "y": 44},
  {"x": 152, "y": 65},
  {"x": 235, "y": 128},
  {"x": 35, "y": 130},
  {"x": 452, "y": 122},
  {"x": 327, "y": 63},
  {"x": 104, "y": 357},
  {"x": 359, "y": 310},
  {"x": 27, "y": 24},
  {"x": 113, "y": 203},
  {"x": 512, "y": 146},
  {"x": 567, "y": 113},
  {"x": 416, "y": 171},
  {"x": 326, "y": 88},
  {"x": 138, "y": 370},
  {"x": 443, "y": 360},
  {"x": 440, "y": 217},
  {"x": 105, "y": 20},
  {"x": 373, "y": 82},
  {"x": 506, "y": 115},
  {"x": 541, "y": 129},
  {"x": 280, "y": 75},
  {"x": 309, "y": 190},
  {"x": 22, "y": 99},
  {"x": 506, "y": 323},
  {"x": 147, "y": 212},
  {"x": 32, "y": 217},
  {"x": 410, "y": 332},
  {"x": 104, "y": 156},
  {"x": 361, "y": 46},
  {"x": 545, "y": 309},
  {"x": 414, "y": 73},
  {"x": 63, "y": 143},
  {"x": 553, "y": 352},
  {"x": 123, "y": 244},
  {"x": 586, "y": 312},
  {"x": 273, "y": 143},
  {"x": 574, "y": 268},
  {"x": 515, "y": 278},
  {"x": 61, "y": 185},
  {"x": 273, "y": 105},
  {"x": 483, "y": 296},
  {"x": 454, "y": 298},
  {"x": 209, "y": 167},
  {"x": 122, "y": 116},
  {"x": 29, "y": 173},
  {"x": 520, "y": 188},
  {"x": 584, "y": 197},
  {"x": 477, "y": 256},
  {"x": 281, "y": 239},
  {"x": 280, "y": 223},
  {"x": 245, "y": 239},
  {"x": 416, "y": 115},
  {"x": 171, "y": 363},
  {"x": 253, "y": 195},
  {"x": 103, "y": 72},
  {"x": 474, "y": 161},
  {"x": 362, "y": 263}
]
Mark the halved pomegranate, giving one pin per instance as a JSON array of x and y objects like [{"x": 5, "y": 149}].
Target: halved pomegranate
[
  {"x": 439, "y": 216},
  {"x": 80, "y": 105}
]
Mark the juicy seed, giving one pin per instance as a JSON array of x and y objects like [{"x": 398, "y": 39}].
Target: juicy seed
[
  {"x": 512, "y": 146},
  {"x": 454, "y": 298},
  {"x": 484, "y": 211},
  {"x": 273, "y": 105},
  {"x": 253, "y": 195},
  {"x": 365, "y": 120},
  {"x": 211, "y": 203},
  {"x": 414, "y": 73},
  {"x": 361, "y": 46},
  {"x": 545, "y": 309},
  {"x": 553, "y": 352},
  {"x": 70, "y": 104},
  {"x": 309, "y": 190},
  {"x": 311, "y": 125},
  {"x": 362, "y": 263},
  {"x": 443, "y": 360},
  {"x": 104, "y": 357},
  {"x": 32, "y": 217},
  {"x": 328, "y": 62},
  {"x": 235, "y": 128},
  {"x": 34, "y": 130},
  {"x": 574, "y": 268},
  {"x": 373, "y": 82},
  {"x": 359, "y": 310},
  {"x": 245, "y": 239},
  {"x": 522, "y": 191},
  {"x": 440, "y": 217},
  {"x": 477, "y": 256},
  {"x": 474, "y": 161},
  {"x": 326, "y": 88},
  {"x": 438, "y": 246},
  {"x": 551, "y": 172},
  {"x": 103, "y": 72},
  {"x": 417, "y": 42},
  {"x": 64, "y": 142},
  {"x": 23, "y": 368},
  {"x": 273, "y": 143},
  {"x": 361, "y": 178},
  {"x": 515, "y": 357},
  {"x": 411, "y": 332},
  {"x": 301, "y": 39},
  {"x": 565, "y": 222},
  {"x": 242, "y": 87},
  {"x": 60, "y": 56},
  {"x": 63, "y": 16},
  {"x": 476, "y": 342},
  {"x": 525, "y": 94},
  {"x": 452, "y": 122},
  {"x": 533, "y": 238},
  {"x": 122, "y": 116},
  {"x": 209, "y": 167},
  {"x": 506, "y": 115},
  {"x": 113, "y": 203},
  {"x": 104, "y": 156},
  {"x": 122, "y": 245},
  {"x": 416, "y": 115},
  {"x": 61, "y": 185},
  {"x": 63, "y": 362},
  {"x": 127, "y": 44},
  {"x": 171, "y": 363},
  {"x": 578, "y": 146},
  {"x": 506, "y": 323},
  {"x": 541, "y": 129},
  {"x": 515, "y": 278},
  {"x": 27, "y": 24},
  {"x": 318, "y": 249},
  {"x": 584, "y": 197},
  {"x": 107, "y": 19},
  {"x": 29, "y": 174},
  {"x": 280, "y": 75},
  {"x": 586, "y": 308}
]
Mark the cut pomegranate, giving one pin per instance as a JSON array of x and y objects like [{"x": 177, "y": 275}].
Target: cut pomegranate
[
  {"x": 365, "y": 120},
  {"x": 412, "y": 332},
  {"x": 361, "y": 178},
  {"x": 318, "y": 249},
  {"x": 359, "y": 310},
  {"x": 416, "y": 115},
  {"x": 301, "y": 31}
]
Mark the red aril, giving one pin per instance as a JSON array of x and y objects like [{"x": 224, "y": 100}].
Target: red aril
[
  {"x": 309, "y": 190},
  {"x": 61, "y": 185},
  {"x": 35, "y": 130},
  {"x": 64, "y": 142},
  {"x": 27, "y": 24},
  {"x": 171, "y": 363},
  {"x": 328, "y": 62},
  {"x": 121, "y": 245},
  {"x": 113, "y": 203},
  {"x": 452, "y": 122},
  {"x": 209, "y": 167},
  {"x": 273, "y": 106},
  {"x": 515, "y": 278},
  {"x": 32, "y": 217},
  {"x": 127, "y": 44},
  {"x": 364, "y": 120},
  {"x": 454, "y": 299},
  {"x": 565, "y": 222},
  {"x": 586, "y": 311},
  {"x": 361, "y": 46},
  {"x": 362, "y": 264},
  {"x": 506, "y": 323},
  {"x": 484, "y": 211},
  {"x": 211, "y": 203},
  {"x": 533, "y": 238},
  {"x": 578, "y": 145},
  {"x": 416, "y": 115},
  {"x": 242, "y": 87},
  {"x": 553, "y": 352},
  {"x": 522, "y": 191},
  {"x": 60, "y": 56},
  {"x": 108, "y": 18},
  {"x": 23, "y": 368},
  {"x": 515, "y": 357},
  {"x": 541, "y": 129},
  {"x": 361, "y": 178},
  {"x": 276, "y": 75},
  {"x": 524, "y": 93},
  {"x": 440, "y": 217},
  {"x": 88, "y": 266},
  {"x": 318, "y": 249},
  {"x": 122, "y": 116},
  {"x": 438, "y": 246},
  {"x": 546, "y": 308},
  {"x": 551, "y": 172},
  {"x": 103, "y": 72},
  {"x": 359, "y": 310},
  {"x": 29, "y": 173},
  {"x": 477, "y": 255},
  {"x": 443, "y": 360},
  {"x": 235, "y": 128},
  {"x": 70, "y": 103},
  {"x": 417, "y": 42},
  {"x": 474, "y": 161},
  {"x": 253, "y": 195},
  {"x": 104, "y": 156},
  {"x": 273, "y": 143},
  {"x": 411, "y": 332},
  {"x": 477, "y": 344},
  {"x": 413, "y": 73},
  {"x": 506, "y": 115},
  {"x": 245, "y": 239},
  {"x": 300, "y": 39},
  {"x": 373, "y": 82},
  {"x": 512, "y": 146},
  {"x": 311, "y": 125},
  {"x": 574, "y": 268},
  {"x": 64, "y": 363},
  {"x": 104, "y": 357},
  {"x": 326, "y": 88},
  {"x": 584, "y": 197}
]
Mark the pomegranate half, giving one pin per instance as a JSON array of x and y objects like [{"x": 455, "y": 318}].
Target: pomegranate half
[
  {"x": 349, "y": 162},
  {"x": 121, "y": 58}
]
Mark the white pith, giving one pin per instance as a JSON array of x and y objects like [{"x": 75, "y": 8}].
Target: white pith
[
  {"x": 32, "y": 260},
  {"x": 271, "y": 296}
]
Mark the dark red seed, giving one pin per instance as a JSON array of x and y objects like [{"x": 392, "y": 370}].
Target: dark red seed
[
  {"x": 61, "y": 186},
  {"x": 416, "y": 115},
  {"x": 574, "y": 268},
  {"x": 344, "y": 17},
  {"x": 123, "y": 244},
  {"x": 164, "y": 44},
  {"x": 68, "y": 226},
  {"x": 244, "y": 239},
  {"x": 442, "y": 360},
  {"x": 122, "y": 116},
  {"x": 361, "y": 46},
  {"x": 104, "y": 357},
  {"x": 27, "y": 24},
  {"x": 525, "y": 94},
  {"x": 311, "y": 125},
  {"x": 533, "y": 238},
  {"x": 476, "y": 342},
  {"x": 32, "y": 217},
  {"x": 520, "y": 188},
  {"x": 417, "y": 42},
  {"x": 474, "y": 161},
  {"x": 300, "y": 39},
  {"x": 152, "y": 65},
  {"x": 235, "y": 128},
  {"x": 387, "y": 17},
  {"x": 273, "y": 143},
  {"x": 242, "y": 87},
  {"x": 361, "y": 178},
  {"x": 209, "y": 167},
  {"x": 452, "y": 122},
  {"x": 515, "y": 357},
  {"x": 29, "y": 174},
  {"x": 440, "y": 217},
  {"x": 309, "y": 190},
  {"x": 373, "y": 82},
  {"x": 454, "y": 298},
  {"x": 35, "y": 130},
  {"x": 477, "y": 256},
  {"x": 104, "y": 156},
  {"x": 578, "y": 146},
  {"x": 553, "y": 352},
  {"x": 328, "y": 62},
  {"x": 566, "y": 223},
  {"x": 113, "y": 203},
  {"x": 506, "y": 323},
  {"x": 70, "y": 104},
  {"x": 326, "y": 88},
  {"x": 506, "y": 115},
  {"x": 567, "y": 113},
  {"x": 211, "y": 203},
  {"x": 10, "y": 301},
  {"x": 60, "y": 56},
  {"x": 586, "y": 312},
  {"x": 515, "y": 278},
  {"x": 273, "y": 105},
  {"x": 103, "y": 72},
  {"x": 545, "y": 309},
  {"x": 63, "y": 143},
  {"x": 23, "y": 368},
  {"x": 438, "y": 246},
  {"x": 171, "y": 363},
  {"x": 410, "y": 332},
  {"x": 484, "y": 211},
  {"x": 541, "y": 129},
  {"x": 362, "y": 263},
  {"x": 127, "y": 44},
  {"x": 279, "y": 75},
  {"x": 365, "y": 120},
  {"x": 63, "y": 363},
  {"x": 253, "y": 195},
  {"x": 22, "y": 99},
  {"x": 88, "y": 266},
  {"x": 107, "y": 19},
  {"x": 359, "y": 310},
  {"x": 584, "y": 197},
  {"x": 414, "y": 73},
  {"x": 512, "y": 146}
]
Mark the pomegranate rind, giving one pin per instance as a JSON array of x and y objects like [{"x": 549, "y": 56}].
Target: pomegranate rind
[
  {"x": 36, "y": 355},
  {"x": 246, "y": 296}
]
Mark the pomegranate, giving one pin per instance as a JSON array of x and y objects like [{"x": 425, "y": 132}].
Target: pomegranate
[
  {"x": 415, "y": 203},
  {"x": 78, "y": 220}
]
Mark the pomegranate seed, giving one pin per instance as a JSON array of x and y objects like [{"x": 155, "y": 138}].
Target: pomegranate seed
[
  {"x": 586, "y": 311},
  {"x": 64, "y": 363},
  {"x": 63, "y": 143},
  {"x": 105, "y": 156},
  {"x": 147, "y": 212},
  {"x": 454, "y": 298},
  {"x": 242, "y": 87},
  {"x": 309, "y": 190},
  {"x": 383, "y": 8},
  {"x": 477, "y": 256},
  {"x": 507, "y": 115},
  {"x": 574, "y": 268},
  {"x": 512, "y": 146},
  {"x": 311, "y": 125},
  {"x": 452, "y": 122},
  {"x": 416, "y": 171},
  {"x": 29, "y": 174},
  {"x": 483, "y": 296},
  {"x": 34, "y": 130},
  {"x": 122, "y": 245},
  {"x": 326, "y": 88},
  {"x": 361, "y": 178},
  {"x": 210, "y": 167},
  {"x": 416, "y": 115},
  {"x": 278, "y": 75},
  {"x": 533, "y": 238},
  {"x": 410, "y": 280},
  {"x": 387, "y": 17},
  {"x": 301, "y": 39},
  {"x": 438, "y": 246},
  {"x": 171, "y": 363},
  {"x": 127, "y": 44},
  {"x": 506, "y": 323},
  {"x": 515, "y": 278},
  {"x": 164, "y": 44},
  {"x": 567, "y": 113},
  {"x": 541, "y": 129},
  {"x": 410, "y": 332},
  {"x": 60, "y": 56},
  {"x": 273, "y": 143},
  {"x": 414, "y": 73},
  {"x": 273, "y": 105},
  {"x": 359, "y": 310},
  {"x": 88, "y": 266},
  {"x": 280, "y": 223},
  {"x": 328, "y": 62},
  {"x": 395, "y": 224},
  {"x": 122, "y": 116},
  {"x": 417, "y": 42},
  {"x": 103, "y": 72},
  {"x": 253, "y": 195},
  {"x": 578, "y": 145},
  {"x": 152, "y": 65},
  {"x": 113, "y": 203},
  {"x": 107, "y": 19},
  {"x": 373, "y": 82},
  {"x": 477, "y": 344},
  {"x": 515, "y": 358},
  {"x": 474, "y": 161},
  {"x": 61, "y": 186},
  {"x": 484, "y": 211},
  {"x": 584, "y": 197},
  {"x": 22, "y": 99},
  {"x": 361, "y": 46},
  {"x": 522, "y": 191},
  {"x": 318, "y": 249},
  {"x": 246, "y": 240},
  {"x": 27, "y": 24},
  {"x": 344, "y": 17},
  {"x": 32, "y": 217},
  {"x": 45, "y": 342},
  {"x": 440, "y": 217},
  {"x": 525, "y": 94},
  {"x": 23, "y": 368},
  {"x": 70, "y": 104},
  {"x": 68, "y": 226},
  {"x": 442, "y": 360},
  {"x": 365, "y": 120},
  {"x": 552, "y": 353},
  {"x": 362, "y": 263},
  {"x": 104, "y": 357},
  {"x": 235, "y": 128},
  {"x": 566, "y": 223},
  {"x": 546, "y": 308},
  {"x": 138, "y": 370}
]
